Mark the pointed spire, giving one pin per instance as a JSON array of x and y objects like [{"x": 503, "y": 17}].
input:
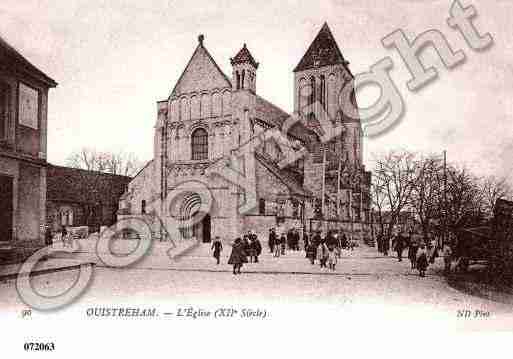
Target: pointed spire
[
  {"x": 322, "y": 52},
  {"x": 244, "y": 56}
]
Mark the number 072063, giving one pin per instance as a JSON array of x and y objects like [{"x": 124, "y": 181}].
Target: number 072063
[{"x": 36, "y": 347}]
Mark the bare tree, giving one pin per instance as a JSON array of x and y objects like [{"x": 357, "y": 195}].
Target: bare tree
[
  {"x": 97, "y": 182},
  {"x": 494, "y": 188},
  {"x": 120, "y": 163},
  {"x": 463, "y": 206},
  {"x": 427, "y": 192},
  {"x": 394, "y": 179}
]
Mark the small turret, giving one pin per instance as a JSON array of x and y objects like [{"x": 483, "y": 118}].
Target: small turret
[{"x": 244, "y": 70}]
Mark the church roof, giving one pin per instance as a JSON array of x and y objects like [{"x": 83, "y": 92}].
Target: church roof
[
  {"x": 269, "y": 112},
  {"x": 201, "y": 73},
  {"x": 283, "y": 175},
  {"x": 323, "y": 51},
  {"x": 275, "y": 117},
  {"x": 244, "y": 56}
]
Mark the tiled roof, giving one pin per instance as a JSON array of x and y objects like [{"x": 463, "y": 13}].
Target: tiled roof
[
  {"x": 275, "y": 117},
  {"x": 244, "y": 56},
  {"x": 20, "y": 60},
  {"x": 287, "y": 177},
  {"x": 323, "y": 51},
  {"x": 73, "y": 185}
]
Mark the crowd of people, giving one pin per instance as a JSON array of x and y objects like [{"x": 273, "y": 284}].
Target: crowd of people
[
  {"x": 326, "y": 248},
  {"x": 421, "y": 253},
  {"x": 244, "y": 250},
  {"x": 62, "y": 234}
]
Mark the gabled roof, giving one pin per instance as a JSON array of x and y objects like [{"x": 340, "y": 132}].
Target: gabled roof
[
  {"x": 323, "y": 51},
  {"x": 203, "y": 72},
  {"x": 244, "y": 56},
  {"x": 25, "y": 64}
]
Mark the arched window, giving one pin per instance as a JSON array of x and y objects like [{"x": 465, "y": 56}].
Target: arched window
[
  {"x": 199, "y": 143},
  {"x": 238, "y": 80},
  {"x": 242, "y": 79}
]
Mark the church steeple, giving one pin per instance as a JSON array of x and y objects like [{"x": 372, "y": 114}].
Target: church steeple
[
  {"x": 323, "y": 51},
  {"x": 244, "y": 70}
]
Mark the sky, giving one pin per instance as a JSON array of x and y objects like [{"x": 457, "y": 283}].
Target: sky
[{"x": 114, "y": 59}]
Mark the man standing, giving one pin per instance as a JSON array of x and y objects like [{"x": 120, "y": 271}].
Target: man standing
[
  {"x": 290, "y": 239},
  {"x": 305, "y": 240},
  {"x": 217, "y": 247},
  {"x": 322, "y": 254},
  {"x": 386, "y": 244},
  {"x": 256, "y": 247},
  {"x": 272, "y": 240},
  {"x": 399, "y": 246},
  {"x": 296, "y": 239},
  {"x": 379, "y": 242},
  {"x": 48, "y": 235},
  {"x": 413, "y": 247},
  {"x": 447, "y": 253},
  {"x": 316, "y": 239}
]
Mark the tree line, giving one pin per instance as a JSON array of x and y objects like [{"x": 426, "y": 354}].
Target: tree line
[{"x": 439, "y": 195}]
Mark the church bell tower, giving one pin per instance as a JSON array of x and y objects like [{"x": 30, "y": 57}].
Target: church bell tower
[{"x": 244, "y": 71}]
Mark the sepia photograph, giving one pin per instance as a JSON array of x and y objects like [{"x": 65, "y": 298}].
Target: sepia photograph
[{"x": 256, "y": 179}]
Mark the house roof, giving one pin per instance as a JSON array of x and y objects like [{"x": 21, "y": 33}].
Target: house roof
[
  {"x": 244, "y": 56},
  {"x": 65, "y": 184},
  {"x": 323, "y": 51},
  {"x": 25, "y": 64}
]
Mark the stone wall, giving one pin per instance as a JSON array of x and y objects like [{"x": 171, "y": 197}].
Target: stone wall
[{"x": 29, "y": 203}]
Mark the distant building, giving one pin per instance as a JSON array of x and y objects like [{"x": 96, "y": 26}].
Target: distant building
[
  {"x": 23, "y": 135},
  {"x": 77, "y": 197}
]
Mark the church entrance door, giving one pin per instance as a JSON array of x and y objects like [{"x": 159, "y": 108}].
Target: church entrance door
[{"x": 202, "y": 229}]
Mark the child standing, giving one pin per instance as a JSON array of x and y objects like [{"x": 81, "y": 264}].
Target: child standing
[
  {"x": 422, "y": 260},
  {"x": 332, "y": 258}
]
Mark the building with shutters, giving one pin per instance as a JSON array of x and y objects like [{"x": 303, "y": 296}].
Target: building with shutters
[{"x": 23, "y": 135}]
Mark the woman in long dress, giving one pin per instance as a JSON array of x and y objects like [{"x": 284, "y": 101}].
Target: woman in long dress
[{"x": 238, "y": 256}]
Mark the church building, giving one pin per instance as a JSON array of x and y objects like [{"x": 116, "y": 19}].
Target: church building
[{"x": 209, "y": 116}]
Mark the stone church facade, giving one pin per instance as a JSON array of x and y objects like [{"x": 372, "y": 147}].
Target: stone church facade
[{"x": 209, "y": 116}]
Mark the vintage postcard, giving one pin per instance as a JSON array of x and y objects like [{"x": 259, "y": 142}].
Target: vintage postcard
[{"x": 274, "y": 178}]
